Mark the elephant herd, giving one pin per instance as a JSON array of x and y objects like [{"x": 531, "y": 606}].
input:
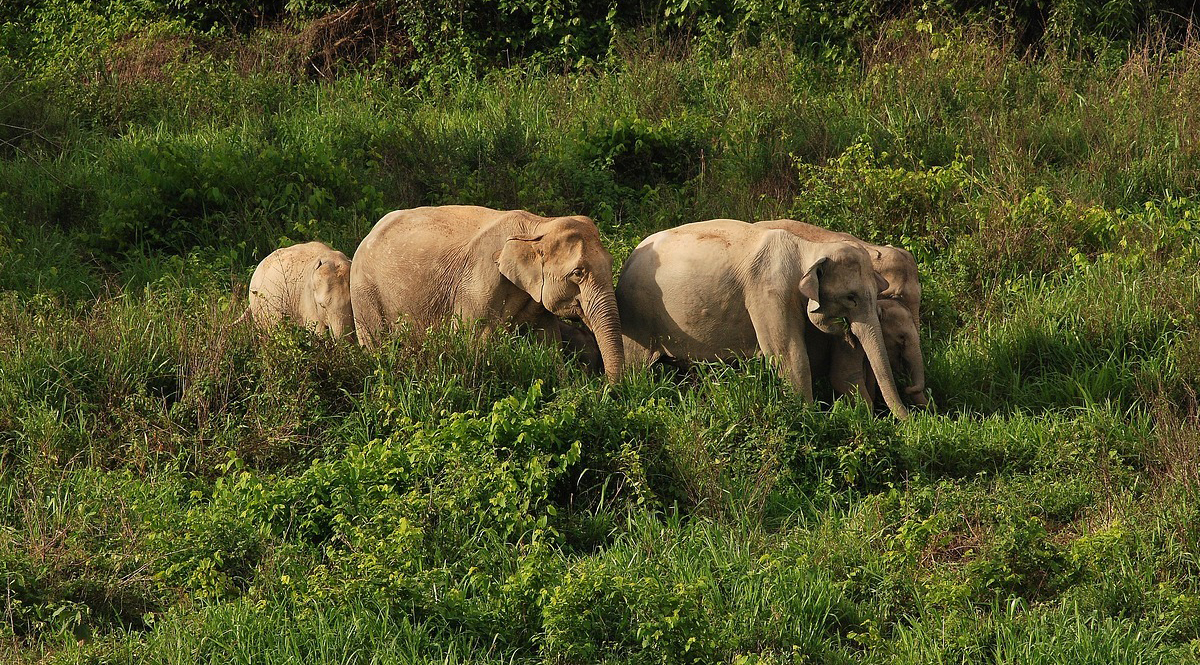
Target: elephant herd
[{"x": 815, "y": 302}]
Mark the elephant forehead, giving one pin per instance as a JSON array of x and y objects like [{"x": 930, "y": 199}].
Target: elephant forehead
[
  {"x": 846, "y": 275},
  {"x": 572, "y": 245},
  {"x": 892, "y": 312},
  {"x": 849, "y": 253}
]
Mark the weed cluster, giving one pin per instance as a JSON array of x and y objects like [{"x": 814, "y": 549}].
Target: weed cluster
[{"x": 175, "y": 489}]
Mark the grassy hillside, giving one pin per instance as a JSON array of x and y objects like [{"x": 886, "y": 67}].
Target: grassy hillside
[{"x": 175, "y": 490}]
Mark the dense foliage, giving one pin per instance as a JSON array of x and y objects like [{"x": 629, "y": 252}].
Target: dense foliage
[{"x": 176, "y": 489}]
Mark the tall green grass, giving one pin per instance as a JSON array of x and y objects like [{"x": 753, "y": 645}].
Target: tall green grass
[{"x": 176, "y": 488}]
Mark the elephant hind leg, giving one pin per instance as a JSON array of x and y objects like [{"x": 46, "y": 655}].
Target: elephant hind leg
[
  {"x": 638, "y": 354},
  {"x": 368, "y": 317}
]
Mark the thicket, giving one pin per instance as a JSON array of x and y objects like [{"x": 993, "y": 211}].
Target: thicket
[{"x": 174, "y": 488}]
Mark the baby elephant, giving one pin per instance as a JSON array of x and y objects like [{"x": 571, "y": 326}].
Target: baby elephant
[
  {"x": 308, "y": 284},
  {"x": 845, "y": 363},
  {"x": 902, "y": 338}
]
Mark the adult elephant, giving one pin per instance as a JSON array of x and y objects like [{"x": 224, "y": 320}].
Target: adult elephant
[
  {"x": 898, "y": 267},
  {"x": 723, "y": 288},
  {"x": 895, "y": 264},
  {"x": 497, "y": 267}
]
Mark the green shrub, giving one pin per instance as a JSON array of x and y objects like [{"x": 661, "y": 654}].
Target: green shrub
[
  {"x": 230, "y": 14},
  {"x": 1020, "y": 559},
  {"x": 207, "y": 191},
  {"x": 694, "y": 593},
  {"x": 921, "y": 209},
  {"x": 642, "y": 154}
]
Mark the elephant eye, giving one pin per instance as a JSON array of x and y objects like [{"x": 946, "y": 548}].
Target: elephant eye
[
  {"x": 576, "y": 273},
  {"x": 853, "y": 299}
]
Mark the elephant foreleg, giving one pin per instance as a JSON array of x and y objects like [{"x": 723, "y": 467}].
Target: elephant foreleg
[
  {"x": 780, "y": 335},
  {"x": 847, "y": 373}
]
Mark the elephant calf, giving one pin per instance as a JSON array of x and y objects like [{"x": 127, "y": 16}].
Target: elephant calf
[
  {"x": 902, "y": 337},
  {"x": 723, "y": 288},
  {"x": 847, "y": 367},
  {"x": 308, "y": 284}
]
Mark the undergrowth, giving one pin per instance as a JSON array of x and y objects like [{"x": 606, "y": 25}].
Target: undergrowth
[{"x": 177, "y": 488}]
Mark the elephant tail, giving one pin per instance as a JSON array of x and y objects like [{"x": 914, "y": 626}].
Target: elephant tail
[{"x": 245, "y": 315}]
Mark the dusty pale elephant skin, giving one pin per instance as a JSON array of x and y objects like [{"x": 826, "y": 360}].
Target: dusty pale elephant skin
[
  {"x": 724, "y": 289},
  {"x": 492, "y": 267},
  {"x": 900, "y": 333},
  {"x": 896, "y": 265},
  {"x": 308, "y": 284}
]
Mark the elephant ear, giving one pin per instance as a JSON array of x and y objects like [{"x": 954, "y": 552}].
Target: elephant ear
[
  {"x": 882, "y": 283},
  {"x": 810, "y": 284},
  {"x": 520, "y": 261},
  {"x": 314, "y": 282}
]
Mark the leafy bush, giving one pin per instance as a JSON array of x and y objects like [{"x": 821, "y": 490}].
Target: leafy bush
[
  {"x": 209, "y": 191},
  {"x": 641, "y": 154},
  {"x": 1020, "y": 560},
  {"x": 691, "y": 594},
  {"x": 207, "y": 15},
  {"x": 858, "y": 192}
]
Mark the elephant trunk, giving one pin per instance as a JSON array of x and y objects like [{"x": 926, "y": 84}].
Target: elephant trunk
[
  {"x": 869, "y": 335},
  {"x": 342, "y": 327},
  {"x": 600, "y": 316},
  {"x": 916, "y": 372}
]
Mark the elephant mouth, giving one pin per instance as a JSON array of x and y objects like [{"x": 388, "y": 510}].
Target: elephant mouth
[
  {"x": 573, "y": 312},
  {"x": 830, "y": 325}
]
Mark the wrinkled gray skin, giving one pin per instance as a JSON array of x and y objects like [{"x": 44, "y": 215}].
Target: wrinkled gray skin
[
  {"x": 899, "y": 269},
  {"x": 308, "y": 284},
  {"x": 495, "y": 267},
  {"x": 723, "y": 289}
]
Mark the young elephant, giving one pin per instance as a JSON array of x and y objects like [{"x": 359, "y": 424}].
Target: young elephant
[
  {"x": 501, "y": 268},
  {"x": 896, "y": 265},
  {"x": 308, "y": 284},
  {"x": 721, "y": 289},
  {"x": 903, "y": 340},
  {"x": 846, "y": 366}
]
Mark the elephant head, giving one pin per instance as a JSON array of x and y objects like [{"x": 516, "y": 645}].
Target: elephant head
[
  {"x": 329, "y": 284},
  {"x": 564, "y": 267},
  {"x": 841, "y": 287},
  {"x": 899, "y": 267},
  {"x": 902, "y": 338}
]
